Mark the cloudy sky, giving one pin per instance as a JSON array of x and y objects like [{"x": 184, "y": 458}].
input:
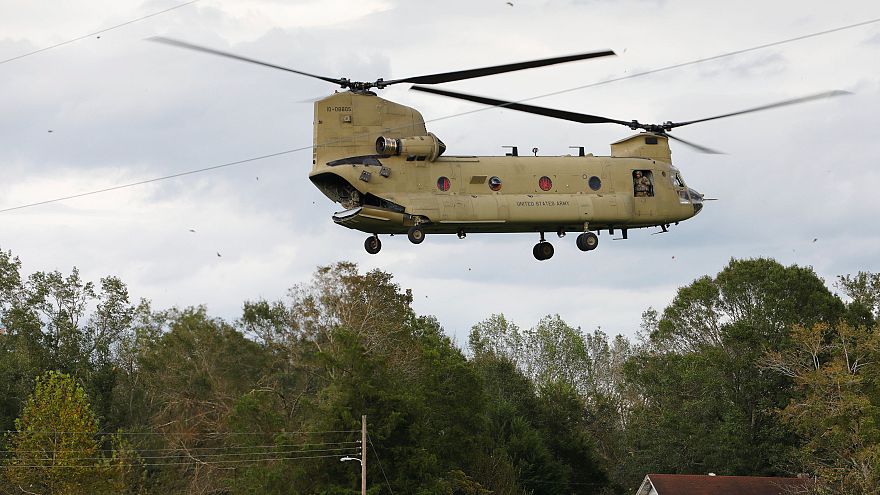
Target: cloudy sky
[{"x": 113, "y": 109}]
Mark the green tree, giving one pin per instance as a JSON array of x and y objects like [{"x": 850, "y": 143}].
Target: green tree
[
  {"x": 863, "y": 289},
  {"x": 577, "y": 382},
  {"x": 553, "y": 351},
  {"x": 53, "y": 321},
  {"x": 195, "y": 373},
  {"x": 496, "y": 335},
  {"x": 705, "y": 403},
  {"x": 54, "y": 448},
  {"x": 537, "y": 438},
  {"x": 837, "y": 408}
]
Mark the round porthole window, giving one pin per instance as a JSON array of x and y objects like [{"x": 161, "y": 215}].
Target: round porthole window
[
  {"x": 443, "y": 183},
  {"x": 495, "y": 183},
  {"x": 545, "y": 183},
  {"x": 595, "y": 183}
]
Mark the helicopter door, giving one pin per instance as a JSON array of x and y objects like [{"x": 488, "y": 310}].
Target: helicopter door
[{"x": 643, "y": 193}]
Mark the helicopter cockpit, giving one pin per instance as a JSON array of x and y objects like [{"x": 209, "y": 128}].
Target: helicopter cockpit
[
  {"x": 686, "y": 194},
  {"x": 680, "y": 187}
]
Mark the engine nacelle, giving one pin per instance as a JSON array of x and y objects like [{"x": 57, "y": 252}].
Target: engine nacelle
[{"x": 417, "y": 148}]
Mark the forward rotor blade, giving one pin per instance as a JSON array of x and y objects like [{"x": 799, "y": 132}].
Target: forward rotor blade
[
  {"x": 497, "y": 69},
  {"x": 695, "y": 146},
  {"x": 547, "y": 112},
  {"x": 795, "y": 101},
  {"x": 190, "y": 46}
]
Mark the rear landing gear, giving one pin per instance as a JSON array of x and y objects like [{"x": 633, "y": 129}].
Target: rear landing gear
[
  {"x": 543, "y": 250},
  {"x": 587, "y": 241},
  {"x": 373, "y": 245}
]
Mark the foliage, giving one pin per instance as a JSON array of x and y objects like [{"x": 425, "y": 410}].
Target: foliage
[
  {"x": 864, "y": 291},
  {"x": 705, "y": 403},
  {"x": 53, "y": 321},
  {"x": 759, "y": 370},
  {"x": 837, "y": 410},
  {"x": 54, "y": 449}
]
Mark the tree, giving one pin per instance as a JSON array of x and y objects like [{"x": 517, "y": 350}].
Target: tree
[
  {"x": 370, "y": 305},
  {"x": 705, "y": 402},
  {"x": 578, "y": 382},
  {"x": 553, "y": 351},
  {"x": 54, "y": 448},
  {"x": 537, "y": 438},
  {"x": 194, "y": 374},
  {"x": 863, "y": 289},
  {"x": 759, "y": 295},
  {"x": 48, "y": 324},
  {"x": 496, "y": 335},
  {"x": 837, "y": 408}
]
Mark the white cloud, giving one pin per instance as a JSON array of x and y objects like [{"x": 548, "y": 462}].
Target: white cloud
[{"x": 122, "y": 109}]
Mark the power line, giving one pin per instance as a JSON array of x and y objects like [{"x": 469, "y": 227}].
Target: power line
[
  {"x": 631, "y": 76},
  {"x": 351, "y": 444},
  {"x": 204, "y": 434},
  {"x": 97, "y": 32},
  {"x": 340, "y": 451},
  {"x": 154, "y": 179},
  {"x": 196, "y": 461}
]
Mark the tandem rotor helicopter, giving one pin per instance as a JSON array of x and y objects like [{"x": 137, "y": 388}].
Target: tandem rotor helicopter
[{"x": 376, "y": 158}]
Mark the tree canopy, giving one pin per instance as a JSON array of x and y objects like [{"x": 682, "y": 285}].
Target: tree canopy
[{"x": 758, "y": 370}]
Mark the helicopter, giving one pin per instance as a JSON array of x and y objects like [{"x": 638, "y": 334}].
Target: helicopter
[{"x": 377, "y": 159}]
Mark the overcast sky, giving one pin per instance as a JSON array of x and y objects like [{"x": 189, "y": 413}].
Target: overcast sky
[{"x": 112, "y": 109}]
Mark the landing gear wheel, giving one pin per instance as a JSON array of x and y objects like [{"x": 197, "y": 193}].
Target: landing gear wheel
[
  {"x": 373, "y": 245},
  {"x": 415, "y": 234},
  {"x": 543, "y": 251},
  {"x": 587, "y": 241}
]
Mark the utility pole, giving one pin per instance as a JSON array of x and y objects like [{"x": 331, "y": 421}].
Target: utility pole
[{"x": 364, "y": 454}]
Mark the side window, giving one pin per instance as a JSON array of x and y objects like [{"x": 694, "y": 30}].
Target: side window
[{"x": 643, "y": 183}]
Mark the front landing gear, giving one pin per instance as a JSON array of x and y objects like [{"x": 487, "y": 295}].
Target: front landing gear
[
  {"x": 415, "y": 234},
  {"x": 587, "y": 241},
  {"x": 373, "y": 245},
  {"x": 543, "y": 250}
]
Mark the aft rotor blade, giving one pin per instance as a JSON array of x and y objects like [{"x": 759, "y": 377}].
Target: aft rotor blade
[
  {"x": 795, "y": 101},
  {"x": 497, "y": 69},
  {"x": 695, "y": 146},
  {"x": 547, "y": 112},
  {"x": 190, "y": 46}
]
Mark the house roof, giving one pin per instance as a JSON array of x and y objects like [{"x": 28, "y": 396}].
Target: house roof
[{"x": 686, "y": 484}]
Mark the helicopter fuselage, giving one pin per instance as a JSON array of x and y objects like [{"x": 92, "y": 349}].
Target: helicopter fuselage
[{"x": 376, "y": 158}]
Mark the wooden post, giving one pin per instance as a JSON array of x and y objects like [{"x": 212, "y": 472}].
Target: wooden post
[{"x": 364, "y": 455}]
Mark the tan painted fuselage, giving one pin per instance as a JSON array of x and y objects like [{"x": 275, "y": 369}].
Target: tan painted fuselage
[{"x": 408, "y": 182}]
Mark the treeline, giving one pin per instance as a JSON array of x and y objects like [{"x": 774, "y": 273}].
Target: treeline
[{"x": 760, "y": 370}]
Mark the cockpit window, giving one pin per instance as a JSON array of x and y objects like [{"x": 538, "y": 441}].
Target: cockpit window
[
  {"x": 643, "y": 183},
  {"x": 680, "y": 188},
  {"x": 676, "y": 181}
]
